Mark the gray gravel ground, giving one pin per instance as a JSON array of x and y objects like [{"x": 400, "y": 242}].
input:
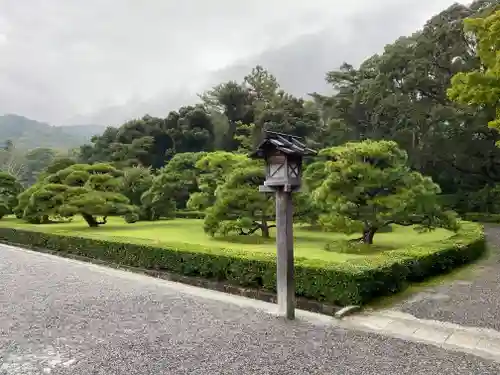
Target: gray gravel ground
[
  {"x": 64, "y": 317},
  {"x": 473, "y": 302}
]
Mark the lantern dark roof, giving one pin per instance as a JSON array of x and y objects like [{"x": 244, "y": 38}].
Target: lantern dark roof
[{"x": 288, "y": 144}]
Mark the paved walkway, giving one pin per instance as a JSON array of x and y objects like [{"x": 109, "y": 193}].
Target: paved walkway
[
  {"x": 461, "y": 315},
  {"x": 473, "y": 302},
  {"x": 59, "y": 316},
  {"x": 473, "y": 340}
]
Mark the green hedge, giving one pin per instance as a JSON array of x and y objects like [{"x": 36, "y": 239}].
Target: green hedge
[
  {"x": 482, "y": 217},
  {"x": 354, "y": 282},
  {"x": 190, "y": 215}
]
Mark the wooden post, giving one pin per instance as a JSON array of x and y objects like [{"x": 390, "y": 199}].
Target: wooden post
[
  {"x": 285, "y": 284},
  {"x": 283, "y": 156}
]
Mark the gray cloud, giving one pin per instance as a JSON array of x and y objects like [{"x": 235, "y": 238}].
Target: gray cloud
[{"x": 64, "y": 58}]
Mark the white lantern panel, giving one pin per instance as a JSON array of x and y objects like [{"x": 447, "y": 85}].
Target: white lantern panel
[{"x": 277, "y": 171}]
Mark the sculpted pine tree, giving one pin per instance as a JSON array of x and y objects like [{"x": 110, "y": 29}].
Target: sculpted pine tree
[
  {"x": 134, "y": 183},
  {"x": 9, "y": 189},
  {"x": 211, "y": 171},
  {"x": 239, "y": 207},
  {"x": 92, "y": 191},
  {"x": 235, "y": 204},
  {"x": 367, "y": 186},
  {"x": 171, "y": 188}
]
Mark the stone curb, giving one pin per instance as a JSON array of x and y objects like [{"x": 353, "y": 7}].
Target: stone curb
[
  {"x": 481, "y": 342},
  {"x": 348, "y": 310}
]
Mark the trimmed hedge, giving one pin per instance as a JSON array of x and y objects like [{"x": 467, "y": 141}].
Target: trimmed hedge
[
  {"x": 190, "y": 215},
  {"x": 482, "y": 217},
  {"x": 351, "y": 282}
]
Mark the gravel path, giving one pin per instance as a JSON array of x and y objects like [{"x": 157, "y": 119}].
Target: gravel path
[
  {"x": 472, "y": 302},
  {"x": 64, "y": 317}
]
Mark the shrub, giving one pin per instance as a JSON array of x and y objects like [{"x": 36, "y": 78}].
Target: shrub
[
  {"x": 4, "y": 209},
  {"x": 190, "y": 215},
  {"x": 352, "y": 282},
  {"x": 482, "y": 217},
  {"x": 354, "y": 247},
  {"x": 131, "y": 217}
]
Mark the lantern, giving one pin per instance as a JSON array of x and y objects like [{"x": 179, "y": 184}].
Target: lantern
[{"x": 283, "y": 156}]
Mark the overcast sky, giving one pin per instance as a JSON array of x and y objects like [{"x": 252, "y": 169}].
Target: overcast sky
[{"x": 61, "y": 58}]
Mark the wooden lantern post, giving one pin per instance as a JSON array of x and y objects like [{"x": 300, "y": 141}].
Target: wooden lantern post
[{"x": 283, "y": 156}]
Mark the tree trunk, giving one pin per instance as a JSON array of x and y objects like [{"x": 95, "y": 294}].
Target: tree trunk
[
  {"x": 368, "y": 234},
  {"x": 91, "y": 221},
  {"x": 264, "y": 227}
]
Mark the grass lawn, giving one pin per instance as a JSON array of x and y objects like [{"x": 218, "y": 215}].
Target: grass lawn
[{"x": 308, "y": 243}]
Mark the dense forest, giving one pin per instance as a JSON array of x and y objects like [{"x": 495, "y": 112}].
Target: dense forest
[
  {"x": 400, "y": 95},
  {"x": 428, "y": 98}
]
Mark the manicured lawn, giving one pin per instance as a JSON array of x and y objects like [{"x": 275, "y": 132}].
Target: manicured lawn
[{"x": 308, "y": 243}]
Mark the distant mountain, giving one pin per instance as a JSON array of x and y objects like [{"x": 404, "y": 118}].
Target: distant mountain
[
  {"x": 82, "y": 131},
  {"x": 28, "y": 134}
]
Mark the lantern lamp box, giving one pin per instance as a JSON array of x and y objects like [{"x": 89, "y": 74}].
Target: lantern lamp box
[{"x": 283, "y": 156}]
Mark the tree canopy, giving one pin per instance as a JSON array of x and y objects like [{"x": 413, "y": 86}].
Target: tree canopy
[
  {"x": 91, "y": 191},
  {"x": 481, "y": 87},
  {"x": 135, "y": 182},
  {"x": 401, "y": 95},
  {"x": 211, "y": 172},
  {"x": 171, "y": 188},
  {"x": 229, "y": 192},
  {"x": 239, "y": 207},
  {"x": 367, "y": 186},
  {"x": 152, "y": 141},
  {"x": 9, "y": 189}
]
